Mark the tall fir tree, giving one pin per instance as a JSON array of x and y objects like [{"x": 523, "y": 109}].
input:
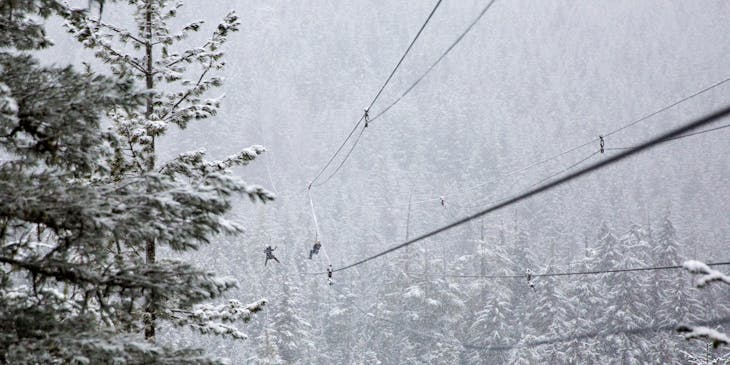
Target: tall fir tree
[
  {"x": 673, "y": 296},
  {"x": 588, "y": 297},
  {"x": 177, "y": 80},
  {"x": 493, "y": 318},
  {"x": 81, "y": 204},
  {"x": 291, "y": 331}
]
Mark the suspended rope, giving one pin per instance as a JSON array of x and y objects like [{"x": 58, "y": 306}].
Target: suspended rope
[
  {"x": 569, "y": 273},
  {"x": 317, "y": 234},
  {"x": 569, "y": 150},
  {"x": 479, "y": 204},
  {"x": 329, "y": 162},
  {"x": 443, "y": 55},
  {"x": 583, "y": 160},
  {"x": 365, "y": 117},
  {"x": 551, "y": 176},
  {"x": 537, "y": 343},
  {"x": 418, "y": 34},
  {"x": 678, "y": 137},
  {"x": 688, "y": 127},
  {"x": 314, "y": 217},
  {"x": 565, "y": 169},
  {"x": 672, "y": 105},
  {"x": 598, "y": 334},
  {"x": 347, "y": 156}
]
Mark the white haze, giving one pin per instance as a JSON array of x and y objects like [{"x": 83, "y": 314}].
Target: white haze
[{"x": 533, "y": 78}]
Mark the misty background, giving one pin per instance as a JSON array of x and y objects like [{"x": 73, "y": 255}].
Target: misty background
[{"x": 531, "y": 79}]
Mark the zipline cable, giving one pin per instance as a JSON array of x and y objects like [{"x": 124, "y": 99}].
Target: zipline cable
[
  {"x": 537, "y": 343},
  {"x": 438, "y": 3},
  {"x": 571, "y": 149},
  {"x": 569, "y": 273},
  {"x": 687, "y": 127},
  {"x": 550, "y": 176},
  {"x": 364, "y": 116},
  {"x": 443, "y": 55},
  {"x": 564, "y": 170},
  {"x": 597, "y": 334},
  {"x": 680, "y": 101},
  {"x": 560, "y": 172},
  {"x": 478, "y": 204},
  {"x": 349, "y": 152},
  {"x": 321, "y": 171},
  {"x": 676, "y": 138}
]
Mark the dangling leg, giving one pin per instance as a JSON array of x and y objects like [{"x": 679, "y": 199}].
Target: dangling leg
[
  {"x": 277, "y": 260},
  {"x": 266, "y": 262},
  {"x": 311, "y": 252}
]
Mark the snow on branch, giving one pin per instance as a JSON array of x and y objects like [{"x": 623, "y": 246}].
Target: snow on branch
[
  {"x": 709, "y": 275},
  {"x": 8, "y": 105},
  {"x": 699, "y": 332},
  {"x": 213, "y": 319},
  {"x": 193, "y": 164},
  {"x": 242, "y": 158}
]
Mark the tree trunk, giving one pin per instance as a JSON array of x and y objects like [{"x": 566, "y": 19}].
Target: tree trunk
[{"x": 150, "y": 315}]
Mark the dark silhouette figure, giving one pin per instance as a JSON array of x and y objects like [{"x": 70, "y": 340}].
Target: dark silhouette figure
[
  {"x": 315, "y": 249},
  {"x": 270, "y": 255}
]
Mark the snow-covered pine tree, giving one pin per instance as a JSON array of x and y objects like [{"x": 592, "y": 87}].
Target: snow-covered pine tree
[
  {"x": 622, "y": 292},
  {"x": 632, "y": 296},
  {"x": 674, "y": 299},
  {"x": 268, "y": 352},
  {"x": 340, "y": 327},
  {"x": 176, "y": 84},
  {"x": 79, "y": 208},
  {"x": 520, "y": 253},
  {"x": 434, "y": 302},
  {"x": 588, "y": 295},
  {"x": 290, "y": 331},
  {"x": 608, "y": 255},
  {"x": 546, "y": 317},
  {"x": 393, "y": 304},
  {"x": 50, "y": 139},
  {"x": 492, "y": 321},
  {"x": 491, "y": 325}
]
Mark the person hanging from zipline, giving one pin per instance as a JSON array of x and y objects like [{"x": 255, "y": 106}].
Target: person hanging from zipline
[
  {"x": 315, "y": 249},
  {"x": 530, "y": 283},
  {"x": 270, "y": 255}
]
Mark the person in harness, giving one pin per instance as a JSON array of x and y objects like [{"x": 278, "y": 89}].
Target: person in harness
[
  {"x": 270, "y": 255},
  {"x": 315, "y": 249}
]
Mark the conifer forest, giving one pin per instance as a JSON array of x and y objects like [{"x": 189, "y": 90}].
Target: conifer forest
[{"x": 364, "y": 182}]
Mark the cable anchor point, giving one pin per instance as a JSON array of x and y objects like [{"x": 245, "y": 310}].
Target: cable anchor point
[
  {"x": 366, "y": 116},
  {"x": 329, "y": 275},
  {"x": 601, "y": 142},
  {"x": 529, "y": 279}
]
